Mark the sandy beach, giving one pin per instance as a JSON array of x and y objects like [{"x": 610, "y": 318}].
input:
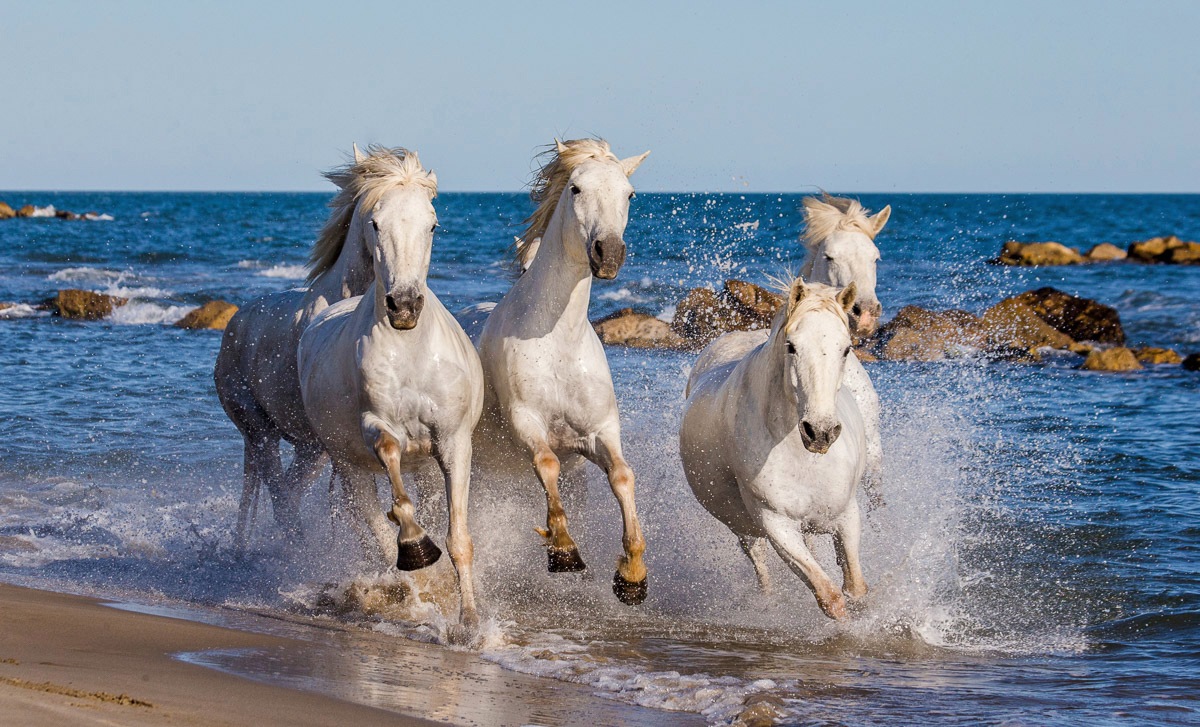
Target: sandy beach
[{"x": 72, "y": 660}]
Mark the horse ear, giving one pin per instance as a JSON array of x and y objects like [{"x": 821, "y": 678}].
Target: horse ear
[
  {"x": 432, "y": 176},
  {"x": 796, "y": 293},
  {"x": 559, "y": 147},
  {"x": 880, "y": 218},
  {"x": 631, "y": 164},
  {"x": 847, "y": 295},
  {"x": 358, "y": 155}
]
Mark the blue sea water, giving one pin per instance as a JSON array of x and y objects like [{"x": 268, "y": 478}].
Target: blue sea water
[{"x": 1037, "y": 562}]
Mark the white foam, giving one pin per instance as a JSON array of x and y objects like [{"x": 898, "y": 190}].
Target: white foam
[
  {"x": 251, "y": 264},
  {"x": 47, "y": 211},
  {"x": 283, "y": 270},
  {"x": 141, "y": 313},
  {"x": 86, "y": 275},
  {"x": 22, "y": 310},
  {"x": 624, "y": 295},
  {"x": 110, "y": 282}
]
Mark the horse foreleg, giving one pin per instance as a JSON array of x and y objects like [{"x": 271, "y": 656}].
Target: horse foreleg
[
  {"x": 845, "y": 543},
  {"x": 561, "y": 551},
  {"x": 756, "y": 550},
  {"x": 414, "y": 549},
  {"x": 788, "y": 540},
  {"x": 454, "y": 458},
  {"x": 629, "y": 583}
]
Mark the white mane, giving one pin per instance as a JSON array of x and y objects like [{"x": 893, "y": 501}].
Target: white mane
[
  {"x": 368, "y": 179},
  {"x": 826, "y": 215}
]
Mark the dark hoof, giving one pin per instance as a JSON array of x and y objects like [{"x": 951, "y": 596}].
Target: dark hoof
[
  {"x": 417, "y": 554},
  {"x": 628, "y": 592},
  {"x": 565, "y": 561}
]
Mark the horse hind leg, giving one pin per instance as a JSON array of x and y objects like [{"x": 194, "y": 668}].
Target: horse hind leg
[
  {"x": 756, "y": 550},
  {"x": 630, "y": 580},
  {"x": 259, "y": 468},
  {"x": 289, "y": 489},
  {"x": 845, "y": 544},
  {"x": 414, "y": 548}
]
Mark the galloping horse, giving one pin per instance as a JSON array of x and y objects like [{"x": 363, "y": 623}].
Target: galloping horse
[
  {"x": 255, "y": 373},
  {"x": 389, "y": 380},
  {"x": 550, "y": 399},
  {"x": 773, "y": 443}
]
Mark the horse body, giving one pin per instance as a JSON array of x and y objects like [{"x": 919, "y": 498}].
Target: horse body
[
  {"x": 774, "y": 445},
  {"x": 255, "y": 373},
  {"x": 389, "y": 381},
  {"x": 550, "y": 397}
]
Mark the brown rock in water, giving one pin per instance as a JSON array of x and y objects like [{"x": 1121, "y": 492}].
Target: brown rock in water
[
  {"x": 6, "y": 212},
  {"x": 1031, "y": 254},
  {"x": 924, "y": 335},
  {"x": 65, "y": 215},
  {"x": 1111, "y": 359},
  {"x": 1014, "y": 327},
  {"x": 1161, "y": 250},
  {"x": 84, "y": 305},
  {"x": 26, "y": 211},
  {"x": 1186, "y": 254},
  {"x": 1080, "y": 318},
  {"x": 628, "y": 327},
  {"x": 214, "y": 314},
  {"x": 1191, "y": 362},
  {"x": 1152, "y": 355},
  {"x": 703, "y": 315},
  {"x": 1105, "y": 251}
]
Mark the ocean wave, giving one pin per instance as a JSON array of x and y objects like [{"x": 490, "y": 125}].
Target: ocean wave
[
  {"x": 110, "y": 282},
  {"x": 283, "y": 270},
  {"x": 47, "y": 211},
  {"x": 139, "y": 313},
  {"x": 22, "y": 310},
  {"x": 625, "y": 295},
  {"x": 87, "y": 275}
]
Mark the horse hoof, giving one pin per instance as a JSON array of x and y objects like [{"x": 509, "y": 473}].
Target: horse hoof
[
  {"x": 416, "y": 554},
  {"x": 565, "y": 561},
  {"x": 629, "y": 592}
]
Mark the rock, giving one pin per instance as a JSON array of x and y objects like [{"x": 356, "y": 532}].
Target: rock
[
  {"x": 27, "y": 211},
  {"x": 6, "y": 212},
  {"x": 1192, "y": 362},
  {"x": 1151, "y": 355},
  {"x": 1186, "y": 254},
  {"x": 65, "y": 215},
  {"x": 1105, "y": 251},
  {"x": 214, "y": 314},
  {"x": 924, "y": 335},
  {"x": 1118, "y": 358},
  {"x": 1080, "y": 318},
  {"x": 1163, "y": 250},
  {"x": 1015, "y": 328},
  {"x": 628, "y": 327},
  {"x": 1031, "y": 254},
  {"x": 84, "y": 304},
  {"x": 703, "y": 315},
  {"x": 864, "y": 355}
]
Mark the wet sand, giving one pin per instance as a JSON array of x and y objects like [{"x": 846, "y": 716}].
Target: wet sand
[{"x": 71, "y": 660}]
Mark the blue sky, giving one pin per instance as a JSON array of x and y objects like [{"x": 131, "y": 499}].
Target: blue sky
[{"x": 869, "y": 96}]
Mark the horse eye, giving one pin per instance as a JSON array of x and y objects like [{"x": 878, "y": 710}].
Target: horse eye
[
  {"x": 846, "y": 352},
  {"x": 574, "y": 189},
  {"x": 791, "y": 347},
  {"x": 375, "y": 224},
  {"x": 632, "y": 195},
  {"x": 434, "y": 228},
  {"x": 829, "y": 258}
]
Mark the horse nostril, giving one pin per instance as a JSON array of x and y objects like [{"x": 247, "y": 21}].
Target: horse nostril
[
  {"x": 391, "y": 304},
  {"x": 857, "y": 309},
  {"x": 809, "y": 431},
  {"x": 835, "y": 432}
]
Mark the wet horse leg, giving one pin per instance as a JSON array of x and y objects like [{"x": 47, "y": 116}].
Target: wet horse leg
[
  {"x": 414, "y": 548},
  {"x": 845, "y": 543},
  {"x": 561, "y": 551},
  {"x": 454, "y": 459},
  {"x": 788, "y": 540},
  {"x": 629, "y": 583},
  {"x": 756, "y": 550}
]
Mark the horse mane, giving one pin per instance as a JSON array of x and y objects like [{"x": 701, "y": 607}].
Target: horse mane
[
  {"x": 366, "y": 179},
  {"x": 818, "y": 297},
  {"x": 826, "y": 215},
  {"x": 547, "y": 187}
]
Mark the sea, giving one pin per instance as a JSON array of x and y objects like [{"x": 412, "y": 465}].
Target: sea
[{"x": 1036, "y": 561}]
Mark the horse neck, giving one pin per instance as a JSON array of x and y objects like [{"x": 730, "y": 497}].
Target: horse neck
[
  {"x": 345, "y": 278},
  {"x": 765, "y": 378},
  {"x": 555, "y": 291}
]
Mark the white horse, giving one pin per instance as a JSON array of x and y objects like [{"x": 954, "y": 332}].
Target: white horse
[
  {"x": 550, "y": 399},
  {"x": 839, "y": 237},
  {"x": 390, "y": 380},
  {"x": 773, "y": 444},
  {"x": 255, "y": 372}
]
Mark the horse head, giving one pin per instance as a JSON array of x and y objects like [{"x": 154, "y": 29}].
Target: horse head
[
  {"x": 840, "y": 238},
  {"x": 814, "y": 342}
]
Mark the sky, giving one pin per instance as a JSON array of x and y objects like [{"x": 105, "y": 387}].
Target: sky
[{"x": 960, "y": 96}]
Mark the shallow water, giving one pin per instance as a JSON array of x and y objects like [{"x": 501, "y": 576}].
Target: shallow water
[{"x": 1036, "y": 562}]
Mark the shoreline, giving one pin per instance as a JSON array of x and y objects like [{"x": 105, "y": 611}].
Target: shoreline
[{"x": 68, "y": 659}]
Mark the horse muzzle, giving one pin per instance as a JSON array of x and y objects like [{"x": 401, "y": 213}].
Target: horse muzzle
[
  {"x": 606, "y": 257},
  {"x": 864, "y": 319},
  {"x": 818, "y": 439},
  {"x": 404, "y": 308}
]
